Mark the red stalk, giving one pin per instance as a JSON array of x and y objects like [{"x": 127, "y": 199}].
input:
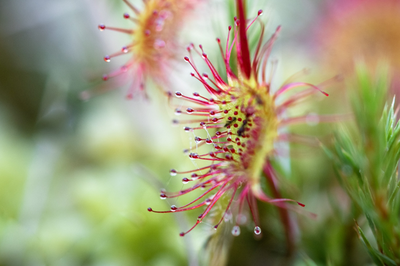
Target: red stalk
[
  {"x": 244, "y": 45},
  {"x": 283, "y": 212}
]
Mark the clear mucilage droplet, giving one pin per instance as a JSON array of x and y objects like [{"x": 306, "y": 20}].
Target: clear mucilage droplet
[
  {"x": 241, "y": 219},
  {"x": 158, "y": 44},
  {"x": 178, "y": 111},
  {"x": 228, "y": 216},
  {"x": 257, "y": 230},
  {"x": 194, "y": 177},
  {"x": 160, "y": 24},
  {"x": 208, "y": 201},
  {"x": 236, "y": 230}
]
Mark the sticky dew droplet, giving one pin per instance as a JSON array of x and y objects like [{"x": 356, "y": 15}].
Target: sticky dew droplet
[
  {"x": 159, "y": 44},
  {"x": 228, "y": 216},
  {"x": 178, "y": 111},
  {"x": 102, "y": 27},
  {"x": 236, "y": 230},
  {"x": 194, "y": 176},
  {"x": 124, "y": 49},
  {"x": 241, "y": 219},
  {"x": 193, "y": 155},
  {"x": 257, "y": 230}
]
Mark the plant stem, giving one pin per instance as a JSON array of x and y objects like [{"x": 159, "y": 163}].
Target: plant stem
[{"x": 283, "y": 212}]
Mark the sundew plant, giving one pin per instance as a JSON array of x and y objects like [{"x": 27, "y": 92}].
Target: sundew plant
[
  {"x": 231, "y": 133},
  {"x": 236, "y": 123},
  {"x": 154, "y": 43},
  {"x": 241, "y": 119}
]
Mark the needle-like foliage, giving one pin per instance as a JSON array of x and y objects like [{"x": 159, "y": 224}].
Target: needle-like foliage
[{"x": 366, "y": 160}]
